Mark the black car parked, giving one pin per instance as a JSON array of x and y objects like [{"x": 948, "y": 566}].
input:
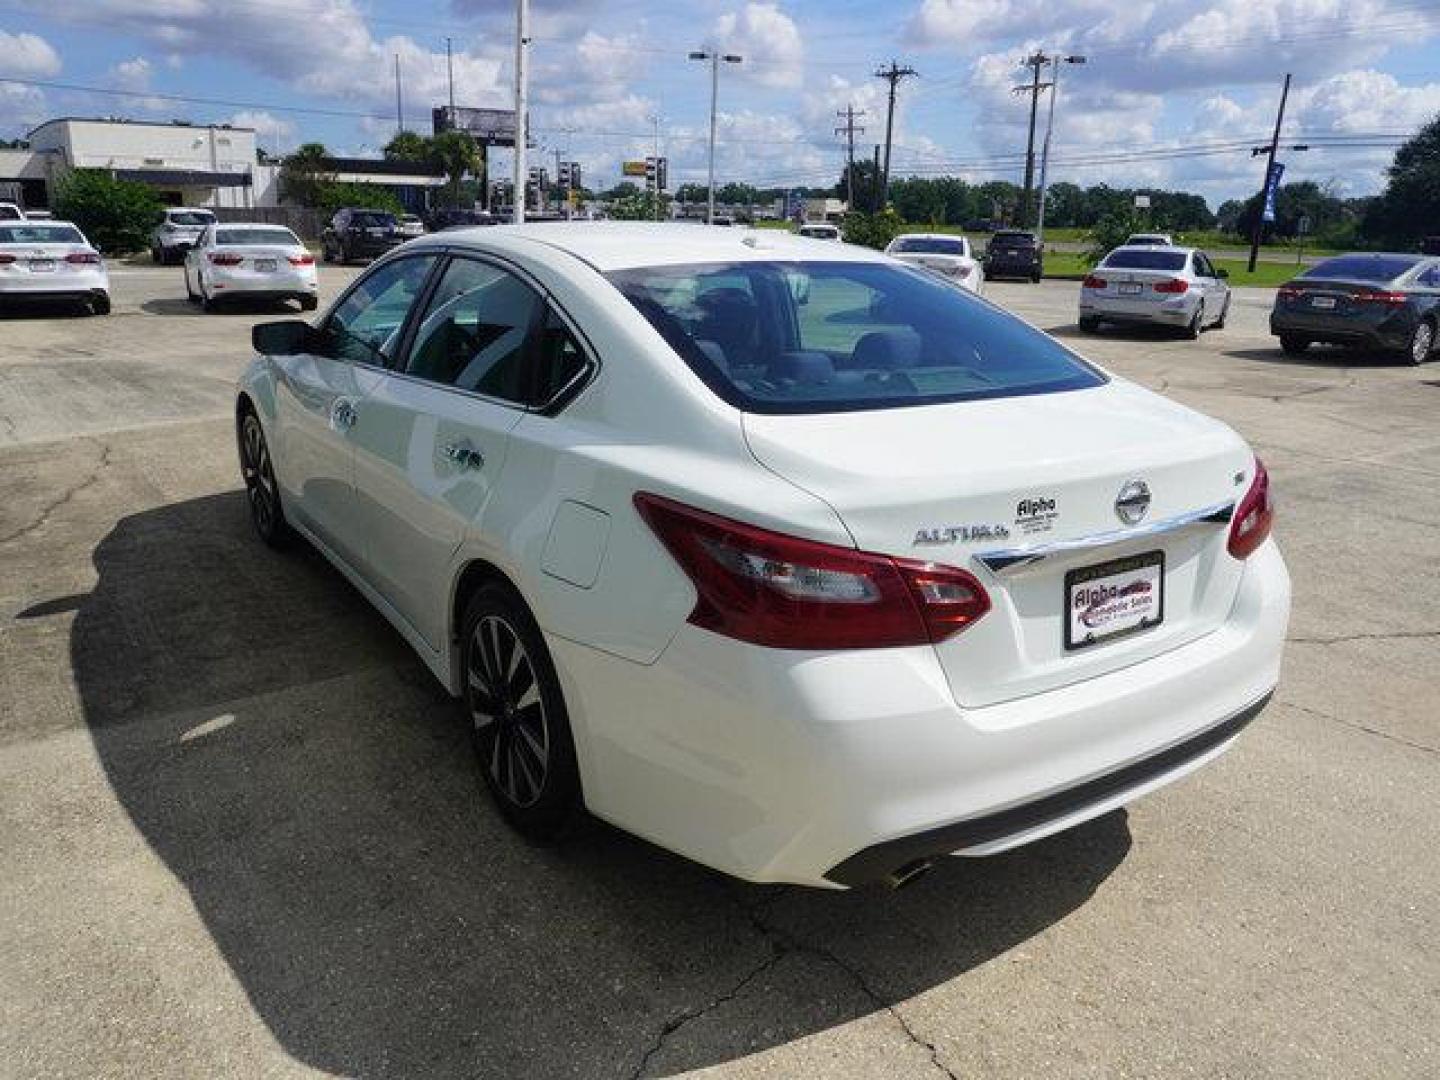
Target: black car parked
[
  {"x": 458, "y": 218},
  {"x": 1378, "y": 301},
  {"x": 1013, "y": 253},
  {"x": 359, "y": 234}
]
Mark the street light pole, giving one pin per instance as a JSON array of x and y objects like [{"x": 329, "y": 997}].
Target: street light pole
[
  {"x": 714, "y": 56},
  {"x": 1055, "y": 62},
  {"x": 522, "y": 94}
]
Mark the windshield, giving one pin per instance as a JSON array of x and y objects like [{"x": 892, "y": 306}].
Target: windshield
[
  {"x": 1145, "y": 260},
  {"x": 372, "y": 220},
  {"x": 40, "y": 234},
  {"x": 1376, "y": 268},
  {"x": 189, "y": 217},
  {"x": 930, "y": 245},
  {"x": 275, "y": 237},
  {"x": 813, "y": 337}
]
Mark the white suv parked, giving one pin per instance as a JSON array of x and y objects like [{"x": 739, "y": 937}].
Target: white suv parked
[
  {"x": 781, "y": 555},
  {"x": 177, "y": 232}
]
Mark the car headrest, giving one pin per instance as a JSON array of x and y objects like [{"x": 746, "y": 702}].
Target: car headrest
[
  {"x": 887, "y": 349},
  {"x": 802, "y": 367}
]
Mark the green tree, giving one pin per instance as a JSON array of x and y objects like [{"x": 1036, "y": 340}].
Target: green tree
[
  {"x": 1111, "y": 231},
  {"x": 692, "y": 193},
  {"x": 1409, "y": 208},
  {"x": 409, "y": 146},
  {"x": 305, "y": 174},
  {"x": 866, "y": 183},
  {"x": 459, "y": 155},
  {"x": 116, "y": 215},
  {"x": 872, "y": 230},
  {"x": 333, "y": 196},
  {"x": 637, "y": 205}
]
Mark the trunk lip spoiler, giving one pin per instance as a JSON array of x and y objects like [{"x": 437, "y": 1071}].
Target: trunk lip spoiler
[{"x": 1011, "y": 560}]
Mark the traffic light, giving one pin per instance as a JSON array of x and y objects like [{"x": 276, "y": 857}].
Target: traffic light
[
  {"x": 651, "y": 169},
  {"x": 575, "y": 183},
  {"x": 565, "y": 175},
  {"x": 662, "y": 169}
]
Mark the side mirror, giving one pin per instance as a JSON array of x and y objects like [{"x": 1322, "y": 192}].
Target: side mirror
[
  {"x": 1222, "y": 273},
  {"x": 285, "y": 338}
]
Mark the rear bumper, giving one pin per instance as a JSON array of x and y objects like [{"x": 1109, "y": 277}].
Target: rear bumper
[
  {"x": 1176, "y": 312},
  {"x": 258, "y": 285},
  {"x": 817, "y": 768},
  {"x": 1392, "y": 333},
  {"x": 1012, "y": 267},
  {"x": 62, "y": 284}
]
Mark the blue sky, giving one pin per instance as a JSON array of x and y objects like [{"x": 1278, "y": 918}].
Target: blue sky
[{"x": 1171, "y": 89}]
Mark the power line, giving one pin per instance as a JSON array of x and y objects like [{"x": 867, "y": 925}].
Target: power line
[
  {"x": 892, "y": 75},
  {"x": 850, "y": 131}
]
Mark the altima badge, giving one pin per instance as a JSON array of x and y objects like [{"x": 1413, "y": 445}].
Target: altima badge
[
  {"x": 1133, "y": 502},
  {"x": 964, "y": 534}
]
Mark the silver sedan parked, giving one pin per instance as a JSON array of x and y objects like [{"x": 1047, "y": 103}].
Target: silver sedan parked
[{"x": 1160, "y": 286}]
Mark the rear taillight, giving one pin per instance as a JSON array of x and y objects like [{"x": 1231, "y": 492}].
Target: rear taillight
[
  {"x": 1093, "y": 282},
  {"x": 787, "y": 593},
  {"x": 219, "y": 259},
  {"x": 1253, "y": 517},
  {"x": 1288, "y": 292},
  {"x": 300, "y": 260},
  {"x": 1174, "y": 285},
  {"x": 83, "y": 258},
  {"x": 1373, "y": 296}
]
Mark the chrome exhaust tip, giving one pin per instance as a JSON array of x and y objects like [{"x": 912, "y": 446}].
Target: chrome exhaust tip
[{"x": 908, "y": 874}]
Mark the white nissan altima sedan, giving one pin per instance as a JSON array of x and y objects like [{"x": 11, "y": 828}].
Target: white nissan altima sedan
[{"x": 779, "y": 553}]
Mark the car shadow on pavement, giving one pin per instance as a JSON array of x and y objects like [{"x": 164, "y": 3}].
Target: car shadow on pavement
[
  {"x": 310, "y": 784},
  {"x": 1327, "y": 358},
  {"x": 181, "y": 307}
]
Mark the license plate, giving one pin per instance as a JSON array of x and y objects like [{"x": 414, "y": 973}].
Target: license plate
[
  {"x": 265, "y": 266},
  {"x": 42, "y": 266},
  {"x": 1322, "y": 301},
  {"x": 374, "y": 232},
  {"x": 1112, "y": 599},
  {"x": 1129, "y": 288}
]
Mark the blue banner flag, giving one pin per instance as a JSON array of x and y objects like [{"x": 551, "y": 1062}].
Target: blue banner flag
[{"x": 1272, "y": 185}]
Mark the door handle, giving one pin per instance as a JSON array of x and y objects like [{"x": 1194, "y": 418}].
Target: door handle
[
  {"x": 464, "y": 454},
  {"x": 343, "y": 414}
]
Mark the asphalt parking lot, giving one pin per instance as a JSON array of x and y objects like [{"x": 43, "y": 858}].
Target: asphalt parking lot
[{"x": 240, "y": 833}]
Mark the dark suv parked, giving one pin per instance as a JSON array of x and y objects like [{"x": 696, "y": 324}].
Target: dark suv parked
[
  {"x": 1014, "y": 254},
  {"x": 359, "y": 234}
]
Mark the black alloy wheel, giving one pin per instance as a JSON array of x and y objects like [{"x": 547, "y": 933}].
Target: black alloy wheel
[
  {"x": 518, "y": 723},
  {"x": 261, "y": 490}
]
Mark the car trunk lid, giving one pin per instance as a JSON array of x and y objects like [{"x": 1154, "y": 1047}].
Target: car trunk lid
[{"x": 1004, "y": 480}]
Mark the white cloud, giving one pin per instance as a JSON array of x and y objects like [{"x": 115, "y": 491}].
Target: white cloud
[
  {"x": 271, "y": 132},
  {"x": 27, "y": 56},
  {"x": 769, "y": 41},
  {"x": 132, "y": 75}
]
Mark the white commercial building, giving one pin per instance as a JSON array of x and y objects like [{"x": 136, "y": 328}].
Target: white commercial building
[{"x": 187, "y": 164}]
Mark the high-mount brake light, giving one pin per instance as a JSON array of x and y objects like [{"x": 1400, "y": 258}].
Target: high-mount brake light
[{"x": 785, "y": 592}]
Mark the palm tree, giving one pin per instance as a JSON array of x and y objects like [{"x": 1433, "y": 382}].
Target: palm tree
[{"x": 457, "y": 153}]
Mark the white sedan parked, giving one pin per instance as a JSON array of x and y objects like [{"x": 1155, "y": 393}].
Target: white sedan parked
[
  {"x": 943, "y": 253},
  {"x": 809, "y": 584},
  {"x": 51, "y": 260},
  {"x": 1158, "y": 286},
  {"x": 250, "y": 261}
]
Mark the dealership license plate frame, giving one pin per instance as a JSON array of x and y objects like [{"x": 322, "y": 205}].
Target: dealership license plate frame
[
  {"x": 267, "y": 266},
  {"x": 1131, "y": 565},
  {"x": 1324, "y": 303},
  {"x": 1131, "y": 288},
  {"x": 42, "y": 266}
]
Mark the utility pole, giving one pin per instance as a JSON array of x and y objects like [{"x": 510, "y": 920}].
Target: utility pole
[
  {"x": 893, "y": 74},
  {"x": 450, "y": 72},
  {"x": 656, "y": 118},
  {"x": 1035, "y": 61},
  {"x": 875, "y": 192},
  {"x": 1269, "y": 167},
  {"x": 522, "y": 96},
  {"x": 399, "y": 111},
  {"x": 850, "y": 131}
]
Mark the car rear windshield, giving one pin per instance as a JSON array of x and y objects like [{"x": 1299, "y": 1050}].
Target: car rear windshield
[
  {"x": 1013, "y": 239},
  {"x": 40, "y": 234},
  {"x": 930, "y": 245},
  {"x": 272, "y": 237},
  {"x": 811, "y": 337},
  {"x": 189, "y": 217},
  {"x": 1146, "y": 260},
  {"x": 1376, "y": 268},
  {"x": 372, "y": 220}
]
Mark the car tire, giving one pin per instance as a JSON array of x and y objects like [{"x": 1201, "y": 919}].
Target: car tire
[
  {"x": 309, "y": 303},
  {"x": 155, "y": 256},
  {"x": 100, "y": 304},
  {"x": 1197, "y": 324},
  {"x": 262, "y": 493},
  {"x": 209, "y": 303},
  {"x": 1224, "y": 314},
  {"x": 1422, "y": 343},
  {"x": 1089, "y": 324},
  {"x": 1035, "y": 277},
  {"x": 519, "y": 727},
  {"x": 1292, "y": 345}
]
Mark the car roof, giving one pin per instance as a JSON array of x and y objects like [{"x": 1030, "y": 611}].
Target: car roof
[
  {"x": 226, "y": 226},
  {"x": 930, "y": 236},
  {"x": 189, "y": 210},
  {"x": 47, "y": 222},
  {"x": 619, "y": 245},
  {"x": 1170, "y": 249}
]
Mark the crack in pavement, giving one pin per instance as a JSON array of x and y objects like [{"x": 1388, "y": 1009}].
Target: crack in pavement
[
  {"x": 49, "y": 510},
  {"x": 1394, "y": 635},
  {"x": 782, "y": 944},
  {"x": 1359, "y": 727}
]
